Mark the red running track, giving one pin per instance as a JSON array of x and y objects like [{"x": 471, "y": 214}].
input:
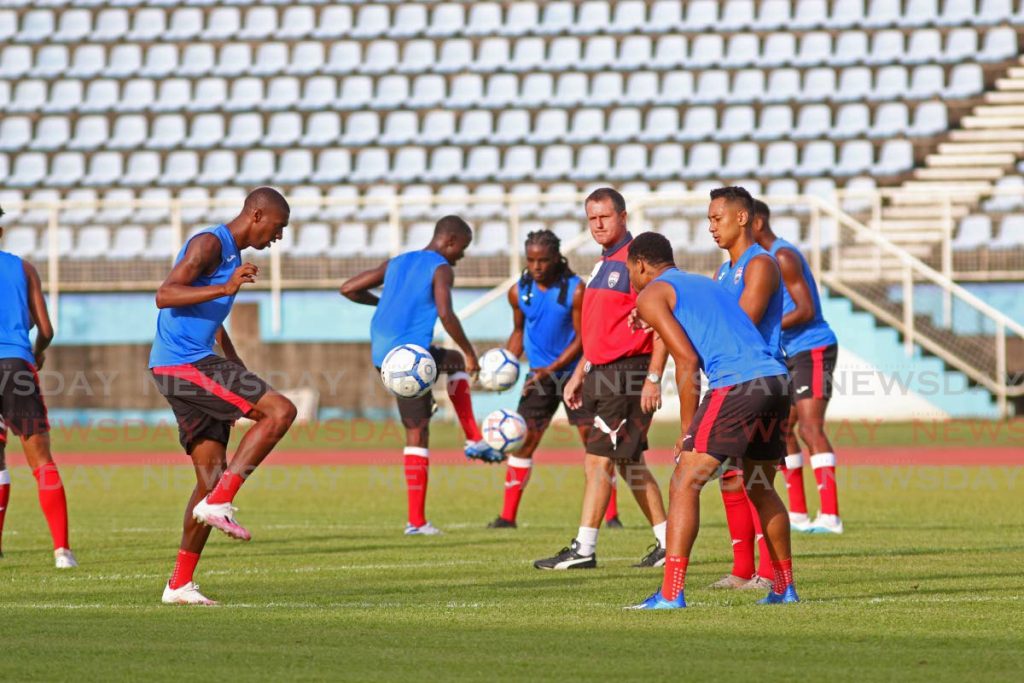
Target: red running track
[{"x": 861, "y": 456}]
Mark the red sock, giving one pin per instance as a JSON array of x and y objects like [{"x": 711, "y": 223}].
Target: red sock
[
  {"x": 5, "y": 495},
  {"x": 741, "y": 531},
  {"x": 783, "y": 575},
  {"x": 793, "y": 471},
  {"x": 183, "y": 568},
  {"x": 824, "y": 465},
  {"x": 53, "y": 502},
  {"x": 612, "y": 511},
  {"x": 417, "y": 465},
  {"x": 516, "y": 476},
  {"x": 675, "y": 576},
  {"x": 764, "y": 559},
  {"x": 458, "y": 392},
  {"x": 226, "y": 488}
]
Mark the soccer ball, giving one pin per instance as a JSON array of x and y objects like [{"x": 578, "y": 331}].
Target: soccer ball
[
  {"x": 408, "y": 371},
  {"x": 504, "y": 430},
  {"x": 499, "y": 370}
]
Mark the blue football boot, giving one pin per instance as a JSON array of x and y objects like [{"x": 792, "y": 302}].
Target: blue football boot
[
  {"x": 479, "y": 450},
  {"x": 774, "y": 598},
  {"x": 658, "y": 602}
]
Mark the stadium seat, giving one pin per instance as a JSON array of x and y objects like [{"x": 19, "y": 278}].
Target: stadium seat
[
  {"x": 895, "y": 157},
  {"x": 19, "y": 241},
  {"x": 332, "y": 166},
  {"x": 814, "y": 120},
  {"x": 973, "y": 232},
  {"x": 129, "y": 242},
  {"x": 1013, "y": 200},
  {"x": 1011, "y": 233},
  {"x": 855, "y": 157},
  {"x": 484, "y": 19},
  {"x": 313, "y": 239},
  {"x": 891, "y": 118},
  {"x": 335, "y": 22},
  {"x": 66, "y": 169},
  {"x": 93, "y": 242}
]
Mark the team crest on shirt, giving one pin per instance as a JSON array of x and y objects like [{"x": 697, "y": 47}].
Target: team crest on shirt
[
  {"x": 738, "y": 276},
  {"x": 613, "y": 278}
]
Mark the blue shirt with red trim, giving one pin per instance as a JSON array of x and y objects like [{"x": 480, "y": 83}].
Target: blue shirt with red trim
[
  {"x": 607, "y": 302},
  {"x": 406, "y": 312},
  {"x": 732, "y": 276},
  {"x": 729, "y": 347},
  {"x": 15, "y": 317},
  {"x": 548, "y": 312},
  {"x": 187, "y": 334},
  {"x": 813, "y": 333}
]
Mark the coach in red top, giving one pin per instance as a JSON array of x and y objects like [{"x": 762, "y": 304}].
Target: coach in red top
[{"x": 618, "y": 385}]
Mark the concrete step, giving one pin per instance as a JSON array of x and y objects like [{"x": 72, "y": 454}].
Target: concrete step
[
  {"x": 1007, "y": 110},
  {"x": 1005, "y": 84},
  {"x": 971, "y": 173},
  {"x": 974, "y": 122},
  {"x": 934, "y": 210},
  {"x": 1015, "y": 73},
  {"x": 970, "y": 148},
  {"x": 908, "y": 224},
  {"x": 987, "y": 135},
  {"x": 961, "y": 160},
  {"x": 1008, "y": 96}
]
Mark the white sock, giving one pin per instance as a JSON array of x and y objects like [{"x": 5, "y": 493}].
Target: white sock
[
  {"x": 587, "y": 540},
  {"x": 5, "y": 477},
  {"x": 659, "y": 532}
]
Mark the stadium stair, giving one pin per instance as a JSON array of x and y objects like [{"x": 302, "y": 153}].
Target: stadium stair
[
  {"x": 964, "y": 165},
  {"x": 882, "y": 347}
]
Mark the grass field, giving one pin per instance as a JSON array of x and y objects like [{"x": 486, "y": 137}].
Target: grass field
[
  {"x": 926, "y": 585},
  {"x": 108, "y": 436}
]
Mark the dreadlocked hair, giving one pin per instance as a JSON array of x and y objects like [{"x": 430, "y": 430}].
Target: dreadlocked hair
[{"x": 547, "y": 240}]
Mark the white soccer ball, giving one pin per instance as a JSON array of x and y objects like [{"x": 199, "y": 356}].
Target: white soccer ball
[
  {"x": 408, "y": 371},
  {"x": 504, "y": 430},
  {"x": 499, "y": 370}
]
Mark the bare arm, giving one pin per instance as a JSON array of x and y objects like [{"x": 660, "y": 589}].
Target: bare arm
[
  {"x": 444, "y": 278},
  {"x": 515, "y": 340},
  {"x": 201, "y": 257},
  {"x": 760, "y": 281},
  {"x": 654, "y": 306},
  {"x": 227, "y": 346},
  {"x": 358, "y": 288},
  {"x": 796, "y": 285},
  {"x": 37, "y": 309}
]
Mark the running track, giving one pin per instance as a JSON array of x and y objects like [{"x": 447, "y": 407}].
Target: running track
[{"x": 884, "y": 457}]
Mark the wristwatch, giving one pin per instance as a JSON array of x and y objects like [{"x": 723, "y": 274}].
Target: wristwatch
[{"x": 653, "y": 378}]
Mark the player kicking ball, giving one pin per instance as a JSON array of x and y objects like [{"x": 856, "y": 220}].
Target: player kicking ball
[
  {"x": 547, "y": 308},
  {"x": 741, "y": 417},
  {"x": 811, "y": 351},
  {"x": 417, "y": 291},
  {"x": 208, "y": 392},
  {"x": 752, "y": 277},
  {"x": 21, "y": 401}
]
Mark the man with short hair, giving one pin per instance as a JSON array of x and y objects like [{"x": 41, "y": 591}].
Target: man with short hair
[
  {"x": 741, "y": 416},
  {"x": 22, "y": 407},
  {"x": 208, "y": 392},
  {"x": 811, "y": 350},
  {"x": 618, "y": 382},
  {"x": 417, "y": 292},
  {"x": 751, "y": 276}
]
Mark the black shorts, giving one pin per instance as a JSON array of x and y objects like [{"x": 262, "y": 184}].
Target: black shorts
[
  {"x": 416, "y": 412},
  {"x": 611, "y": 395},
  {"x": 21, "y": 401},
  {"x": 810, "y": 373},
  {"x": 746, "y": 420},
  {"x": 208, "y": 396},
  {"x": 539, "y": 402}
]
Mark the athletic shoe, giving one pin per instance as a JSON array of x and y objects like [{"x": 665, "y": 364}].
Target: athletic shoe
[
  {"x": 799, "y": 521},
  {"x": 774, "y": 598},
  {"x": 185, "y": 595},
  {"x": 757, "y": 583},
  {"x": 614, "y": 523},
  {"x": 501, "y": 523},
  {"x": 63, "y": 558},
  {"x": 658, "y": 602},
  {"x": 479, "y": 450},
  {"x": 220, "y": 516},
  {"x": 568, "y": 558},
  {"x": 730, "y": 582},
  {"x": 827, "y": 524},
  {"x": 655, "y": 557},
  {"x": 427, "y": 529}
]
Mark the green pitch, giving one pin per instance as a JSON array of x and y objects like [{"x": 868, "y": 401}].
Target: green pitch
[{"x": 926, "y": 585}]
